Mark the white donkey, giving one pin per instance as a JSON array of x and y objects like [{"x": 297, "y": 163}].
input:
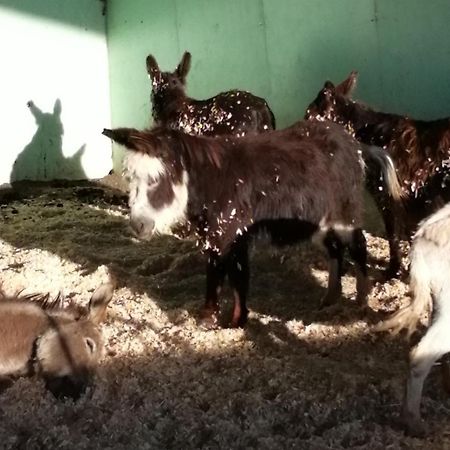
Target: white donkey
[{"x": 430, "y": 290}]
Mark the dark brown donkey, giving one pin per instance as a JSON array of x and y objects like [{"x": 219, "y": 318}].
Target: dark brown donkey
[
  {"x": 233, "y": 112},
  {"x": 420, "y": 151},
  {"x": 302, "y": 182},
  {"x": 61, "y": 344}
]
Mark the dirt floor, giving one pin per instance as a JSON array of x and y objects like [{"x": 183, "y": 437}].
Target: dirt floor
[{"x": 295, "y": 377}]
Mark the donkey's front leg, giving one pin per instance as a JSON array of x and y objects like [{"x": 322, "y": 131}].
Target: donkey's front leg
[
  {"x": 395, "y": 258},
  {"x": 358, "y": 252},
  {"x": 215, "y": 274},
  {"x": 335, "y": 251},
  {"x": 239, "y": 274}
]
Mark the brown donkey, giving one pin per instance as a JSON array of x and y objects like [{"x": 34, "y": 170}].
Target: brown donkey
[
  {"x": 304, "y": 182},
  {"x": 232, "y": 112},
  {"x": 420, "y": 150},
  {"x": 61, "y": 344}
]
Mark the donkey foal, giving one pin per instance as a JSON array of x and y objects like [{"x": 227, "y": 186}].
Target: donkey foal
[
  {"x": 61, "y": 344},
  {"x": 430, "y": 286}
]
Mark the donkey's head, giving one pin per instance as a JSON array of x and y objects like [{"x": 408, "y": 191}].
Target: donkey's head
[
  {"x": 332, "y": 101},
  {"x": 158, "y": 180},
  {"x": 168, "y": 84},
  {"x": 67, "y": 353}
]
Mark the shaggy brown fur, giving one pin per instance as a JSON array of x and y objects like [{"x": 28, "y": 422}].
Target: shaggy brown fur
[
  {"x": 302, "y": 182},
  {"x": 420, "y": 150}
]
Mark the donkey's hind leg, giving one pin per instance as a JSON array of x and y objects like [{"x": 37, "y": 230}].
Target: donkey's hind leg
[
  {"x": 215, "y": 276},
  {"x": 335, "y": 249},
  {"x": 358, "y": 252},
  {"x": 433, "y": 346},
  {"x": 238, "y": 275}
]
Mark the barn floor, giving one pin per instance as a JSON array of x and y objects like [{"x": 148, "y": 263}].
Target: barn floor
[{"x": 295, "y": 377}]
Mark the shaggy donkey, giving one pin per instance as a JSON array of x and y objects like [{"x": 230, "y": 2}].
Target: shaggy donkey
[
  {"x": 430, "y": 287},
  {"x": 420, "y": 151},
  {"x": 302, "y": 182},
  {"x": 232, "y": 112},
  {"x": 61, "y": 344}
]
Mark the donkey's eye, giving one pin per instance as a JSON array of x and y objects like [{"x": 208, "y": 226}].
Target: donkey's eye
[{"x": 90, "y": 344}]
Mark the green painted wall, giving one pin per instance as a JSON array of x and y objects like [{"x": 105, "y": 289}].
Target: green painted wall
[{"x": 284, "y": 50}]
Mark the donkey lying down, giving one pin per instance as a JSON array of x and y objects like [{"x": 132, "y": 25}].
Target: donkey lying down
[
  {"x": 61, "y": 344},
  {"x": 430, "y": 286},
  {"x": 302, "y": 182}
]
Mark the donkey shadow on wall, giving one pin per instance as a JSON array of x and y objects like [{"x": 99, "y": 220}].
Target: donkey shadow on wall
[{"x": 43, "y": 159}]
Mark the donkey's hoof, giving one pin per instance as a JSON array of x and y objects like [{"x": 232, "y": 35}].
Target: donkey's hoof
[
  {"x": 394, "y": 271},
  {"x": 239, "y": 322},
  {"x": 413, "y": 426},
  {"x": 208, "y": 320},
  {"x": 328, "y": 300}
]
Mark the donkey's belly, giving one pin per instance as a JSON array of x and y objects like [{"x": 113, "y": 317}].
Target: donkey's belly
[{"x": 282, "y": 232}]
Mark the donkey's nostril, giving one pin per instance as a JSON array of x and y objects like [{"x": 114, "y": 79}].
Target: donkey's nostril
[
  {"x": 137, "y": 225},
  {"x": 142, "y": 227}
]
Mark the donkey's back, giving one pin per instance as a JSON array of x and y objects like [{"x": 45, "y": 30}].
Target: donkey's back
[
  {"x": 21, "y": 322},
  {"x": 313, "y": 171},
  {"x": 232, "y": 112}
]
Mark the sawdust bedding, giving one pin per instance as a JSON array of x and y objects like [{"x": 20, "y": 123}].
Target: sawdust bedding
[{"x": 295, "y": 377}]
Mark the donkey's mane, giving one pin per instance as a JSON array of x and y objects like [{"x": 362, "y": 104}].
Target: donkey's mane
[
  {"x": 422, "y": 139},
  {"x": 199, "y": 149},
  {"x": 358, "y": 106},
  {"x": 44, "y": 301}
]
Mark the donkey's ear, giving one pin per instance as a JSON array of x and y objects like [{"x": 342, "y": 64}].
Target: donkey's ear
[
  {"x": 152, "y": 67},
  {"x": 99, "y": 302},
  {"x": 347, "y": 87},
  {"x": 124, "y": 136},
  {"x": 184, "y": 66},
  {"x": 328, "y": 85}
]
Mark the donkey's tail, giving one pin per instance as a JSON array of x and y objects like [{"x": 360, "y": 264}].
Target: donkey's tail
[
  {"x": 420, "y": 287},
  {"x": 385, "y": 162}
]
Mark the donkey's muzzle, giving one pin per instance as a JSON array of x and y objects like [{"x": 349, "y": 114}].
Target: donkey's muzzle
[
  {"x": 143, "y": 228},
  {"x": 69, "y": 386}
]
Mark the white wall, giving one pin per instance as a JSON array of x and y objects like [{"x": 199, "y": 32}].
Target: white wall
[{"x": 58, "y": 59}]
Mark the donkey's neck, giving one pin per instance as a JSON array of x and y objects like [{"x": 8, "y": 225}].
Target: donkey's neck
[
  {"x": 370, "y": 126},
  {"x": 216, "y": 210},
  {"x": 167, "y": 106}
]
